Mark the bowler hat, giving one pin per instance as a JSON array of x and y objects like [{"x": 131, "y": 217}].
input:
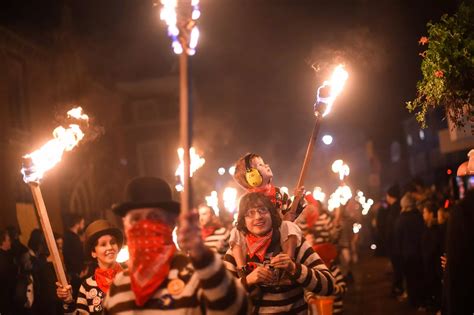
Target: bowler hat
[
  {"x": 97, "y": 229},
  {"x": 147, "y": 192}
]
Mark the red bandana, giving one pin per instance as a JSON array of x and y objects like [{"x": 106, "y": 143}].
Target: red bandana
[
  {"x": 104, "y": 277},
  {"x": 258, "y": 245},
  {"x": 267, "y": 190},
  {"x": 207, "y": 231},
  {"x": 151, "y": 249}
]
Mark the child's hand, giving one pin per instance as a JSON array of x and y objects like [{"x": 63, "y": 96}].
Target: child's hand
[
  {"x": 64, "y": 293},
  {"x": 299, "y": 191}
]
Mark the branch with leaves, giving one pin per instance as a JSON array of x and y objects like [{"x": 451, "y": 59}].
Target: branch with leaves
[{"x": 447, "y": 68}]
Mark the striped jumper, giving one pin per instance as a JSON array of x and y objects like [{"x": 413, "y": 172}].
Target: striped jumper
[
  {"x": 208, "y": 289},
  {"x": 323, "y": 229},
  {"x": 287, "y": 296},
  {"x": 218, "y": 242},
  {"x": 339, "y": 290},
  {"x": 89, "y": 299}
]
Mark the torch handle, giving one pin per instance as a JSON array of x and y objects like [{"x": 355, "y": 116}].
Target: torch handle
[
  {"x": 185, "y": 127},
  {"x": 48, "y": 233},
  {"x": 306, "y": 162}
]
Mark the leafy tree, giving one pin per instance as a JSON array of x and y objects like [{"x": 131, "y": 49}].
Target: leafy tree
[{"x": 447, "y": 67}]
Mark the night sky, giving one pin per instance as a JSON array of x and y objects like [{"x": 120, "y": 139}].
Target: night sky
[{"x": 253, "y": 72}]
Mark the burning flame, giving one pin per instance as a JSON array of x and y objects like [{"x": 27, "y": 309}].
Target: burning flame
[
  {"x": 340, "y": 197},
  {"x": 123, "y": 255},
  {"x": 356, "y": 227},
  {"x": 365, "y": 203},
  {"x": 318, "y": 194},
  {"x": 230, "y": 199},
  {"x": 169, "y": 15},
  {"x": 213, "y": 202},
  {"x": 335, "y": 86},
  {"x": 340, "y": 167},
  {"x": 196, "y": 162},
  {"x": 50, "y": 154}
]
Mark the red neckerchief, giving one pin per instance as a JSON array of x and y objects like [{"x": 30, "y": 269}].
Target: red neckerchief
[
  {"x": 104, "y": 277},
  {"x": 151, "y": 249},
  {"x": 258, "y": 245},
  {"x": 268, "y": 190},
  {"x": 207, "y": 231}
]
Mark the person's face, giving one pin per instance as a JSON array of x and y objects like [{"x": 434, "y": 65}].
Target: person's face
[
  {"x": 390, "y": 200},
  {"x": 442, "y": 217},
  {"x": 7, "y": 244},
  {"x": 153, "y": 214},
  {"x": 82, "y": 224},
  {"x": 59, "y": 243},
  {"x": 205, "y": 216},
  {"x": 427, "y": 216},
  {"x": 264, "y": 169},
  {"x": 258, "y": 220},
  {"x": 106, "y": 251}
]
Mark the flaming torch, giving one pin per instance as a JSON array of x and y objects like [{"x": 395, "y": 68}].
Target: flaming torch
[
  {"x": 182, "y": 29},
  {"x": 325, "y": 97},
  {"x": 37, "y": 163},
  {"x": 196, "y": 163}
]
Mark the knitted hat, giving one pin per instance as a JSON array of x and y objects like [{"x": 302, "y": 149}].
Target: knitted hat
[{"x": 147, "y": 192}]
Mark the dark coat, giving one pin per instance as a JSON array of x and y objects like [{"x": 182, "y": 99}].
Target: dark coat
[
  {"x": 392, "y": 247},
  {"x": 408, "y": 232}
]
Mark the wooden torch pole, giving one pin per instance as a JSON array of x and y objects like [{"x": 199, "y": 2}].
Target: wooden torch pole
[
  {"x": 306, "y": 162},
  {"x": 185, "y": 127},
  {"x": 48, "y": 233}
]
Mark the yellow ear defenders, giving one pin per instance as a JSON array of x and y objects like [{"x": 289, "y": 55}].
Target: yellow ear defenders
[{"x": 252, "y": 175}]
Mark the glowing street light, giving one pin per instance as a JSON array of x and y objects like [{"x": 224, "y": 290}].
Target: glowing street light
[{"x": 327, "y": 139}]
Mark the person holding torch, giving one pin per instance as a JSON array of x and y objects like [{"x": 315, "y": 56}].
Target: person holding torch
[
  {"x": 103, "y": 242},
  {"x": 159, "y": 279}
]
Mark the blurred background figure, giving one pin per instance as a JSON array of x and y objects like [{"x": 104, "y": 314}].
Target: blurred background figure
[
  {"x": 7, "y": 274},
  {"x": 393, "y": 247},
  {"x": 213, "y": 232},
  {"x": 431, "y": 246},
  {"x": 73, "y": 251}
]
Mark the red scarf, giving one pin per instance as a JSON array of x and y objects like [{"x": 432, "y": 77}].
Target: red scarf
[
  {"x": 207, "y": 231},
  {"x": 258, "y": 245},
  {"x": 268, "y": 190},
  {"x": 151, "y": 249},
  {"x": 104, "y": 277}
]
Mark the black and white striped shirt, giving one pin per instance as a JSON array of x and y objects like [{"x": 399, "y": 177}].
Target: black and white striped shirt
[
  {"x": 323, "y": 229},
  {"x": 287, "y": 297},
  {"x": 218, "y": 242},
  {"x": 89, "y": 299},
  {"x": 339, "y": 290},
  {"x": 209, "y": 289}
]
